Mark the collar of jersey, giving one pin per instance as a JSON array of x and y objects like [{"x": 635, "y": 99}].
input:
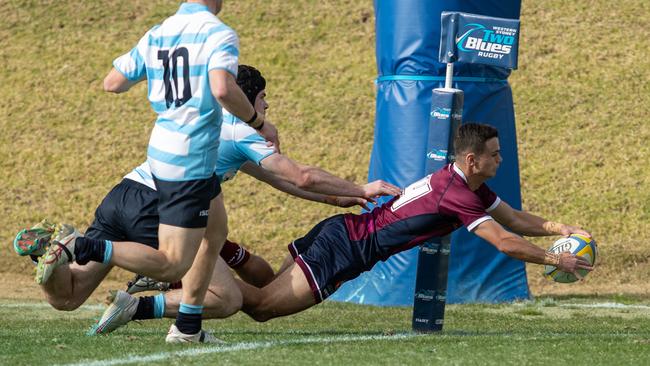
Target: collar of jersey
[
  {"x": 459, "y": 172},
  {"x": 191, "y": 8}
]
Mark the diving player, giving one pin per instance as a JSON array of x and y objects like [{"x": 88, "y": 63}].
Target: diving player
[{"x": 341, "y": 247}]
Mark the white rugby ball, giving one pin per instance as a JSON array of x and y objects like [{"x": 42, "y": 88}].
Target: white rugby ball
[{"x": 577, "y": 244}]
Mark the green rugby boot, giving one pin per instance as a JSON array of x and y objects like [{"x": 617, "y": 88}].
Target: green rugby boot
[
  {"x": 60, "y": 251},
  {"x": 35, "y": 240}
]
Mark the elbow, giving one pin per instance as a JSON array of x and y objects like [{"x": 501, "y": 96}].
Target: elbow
[
  {"x": 111, "y": 86},
  {"x": 507, "y": 247},
  {"x": 508, "y": 250},
  {"x": 305, "y": 180},
  {"x": 220, "y": 93},
  {"x": 513, "y": 247}
]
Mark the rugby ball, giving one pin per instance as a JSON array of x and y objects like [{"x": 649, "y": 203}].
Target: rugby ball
[{"x": 577, "y": 244}]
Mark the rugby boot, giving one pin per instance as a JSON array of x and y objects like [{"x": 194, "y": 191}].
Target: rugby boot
[
  {"x": 122, "y": 306},
  {"x": 175, "y": 336},
  {"x": 142, "y": 283},
  {"x": 60, "y": 251},
  {"x": 34, "y": 241}
]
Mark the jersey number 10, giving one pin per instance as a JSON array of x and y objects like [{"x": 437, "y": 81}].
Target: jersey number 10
[{"x": 169, "y": 75}]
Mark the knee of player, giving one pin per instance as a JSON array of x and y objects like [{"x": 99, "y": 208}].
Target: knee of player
[
  {"x": 259, "y": 315},
  {"x": 62, "y": 304},
  {"x": 261, "y": 311},
  {"x": 173, "y": 271},
  {"x": 229, "y": 301}
]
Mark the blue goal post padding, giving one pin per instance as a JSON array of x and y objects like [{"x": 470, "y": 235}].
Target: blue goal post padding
[{"x": 408, "y": 38}]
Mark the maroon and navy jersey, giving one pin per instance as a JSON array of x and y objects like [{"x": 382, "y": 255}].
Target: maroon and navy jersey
[{"x": 433, "y": 206}]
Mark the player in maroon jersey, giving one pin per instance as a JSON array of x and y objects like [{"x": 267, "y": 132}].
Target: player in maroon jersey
[{"x": 341, "y": 247}]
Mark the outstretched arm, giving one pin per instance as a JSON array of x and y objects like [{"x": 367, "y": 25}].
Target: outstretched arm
[
  {"x": 313, "y": 179},
  {"x": 517, "y": 247},
  {"x": 266, "y": 176},
  {"x": 525, "y": 223}
]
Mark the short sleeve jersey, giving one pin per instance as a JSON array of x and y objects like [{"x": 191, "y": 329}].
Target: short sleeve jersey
[
  {"x": 433, "y": 206},
  {"x": 239, "y": 143},
  {"x": 175, "y": 58}
]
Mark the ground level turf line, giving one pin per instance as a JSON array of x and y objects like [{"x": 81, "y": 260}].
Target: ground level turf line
[
  {"x": 242, "y": 346},
  {"x": 603, "y": 305},
  {"x": 44, "y": 305}
]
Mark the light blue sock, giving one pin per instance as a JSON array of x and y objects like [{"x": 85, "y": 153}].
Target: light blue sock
[
  {"x": 190, "y": 309},
  {"x": 108, "y": 252},
  {"x": 159, "y": 306}
]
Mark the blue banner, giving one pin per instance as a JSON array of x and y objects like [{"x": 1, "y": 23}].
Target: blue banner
[{"x": 478, "y": 39}]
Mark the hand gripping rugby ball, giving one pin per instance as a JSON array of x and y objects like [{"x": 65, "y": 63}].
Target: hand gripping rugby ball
[{"x": 577, "y": 244}]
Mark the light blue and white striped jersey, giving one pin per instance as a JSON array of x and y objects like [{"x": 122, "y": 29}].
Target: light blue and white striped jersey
[
  {"x": 239, "y": 143},
  {"x": 175, "y": 57}
]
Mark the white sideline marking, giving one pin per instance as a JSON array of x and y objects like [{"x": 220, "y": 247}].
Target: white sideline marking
[
  {"x": 243, "y": 346},
  {"x": 42, "y": 305}
]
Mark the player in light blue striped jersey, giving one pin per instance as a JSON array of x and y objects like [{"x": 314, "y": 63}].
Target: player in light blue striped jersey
[{"x": 190, "y": 64}]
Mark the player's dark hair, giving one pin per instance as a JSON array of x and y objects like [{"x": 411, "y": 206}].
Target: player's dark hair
[
  {"x": 471, "y": 137},
  {"x": 251, "y": 81}
]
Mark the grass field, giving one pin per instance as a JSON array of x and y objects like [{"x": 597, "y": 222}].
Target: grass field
[
  {"x": 571, "y": 331},
  {"x": 581, "y": 99}
]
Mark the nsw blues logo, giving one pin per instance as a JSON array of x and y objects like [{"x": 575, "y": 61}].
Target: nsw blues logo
[
  {"x": 487, "y": 42},
  {"x": 437, "y": 155},
  {"x": 441, "y": 113},
  {"x": 425, "y": 295}
]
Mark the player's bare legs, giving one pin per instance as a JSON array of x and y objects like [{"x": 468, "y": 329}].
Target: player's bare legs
[
  {"x": 288, "y": 294},
  {"x": 197, "y": 279},
  {"x": 288, "y": 261},
  {"x": 256, "y": 271},
  {"x": 71, "y": 285},
  {"x": 222, "y": 299},
  {"x": 173, "y": 258}
]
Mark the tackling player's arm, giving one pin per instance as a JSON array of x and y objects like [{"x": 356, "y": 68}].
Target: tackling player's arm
[
  {"x": 525, "y": 223},
  {"x": 226, "y": 91},
  {"x": 517, "y": 247},
  {"x": 271, "y": 179},
  {"x": 116, "y": 82},
  {"x": 317, "y": 180}
]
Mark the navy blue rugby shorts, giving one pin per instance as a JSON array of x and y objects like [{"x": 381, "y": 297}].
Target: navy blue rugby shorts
[
  {"x": 327, "y": 257},
  {"x": 129, "y": 212},
  {"x": 186, "y": 203}
]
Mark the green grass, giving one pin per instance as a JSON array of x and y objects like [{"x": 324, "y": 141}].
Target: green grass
[
  {"x": 334, "y": 333},
  {"x": 581, "y": 96}
]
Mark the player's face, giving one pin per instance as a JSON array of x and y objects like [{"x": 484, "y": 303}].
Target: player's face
[
  {"x": 260, "y": 102},
  {"x": 488, "y": 162}
]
